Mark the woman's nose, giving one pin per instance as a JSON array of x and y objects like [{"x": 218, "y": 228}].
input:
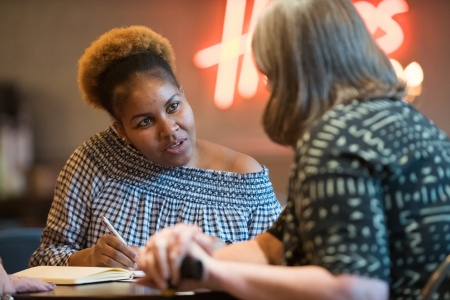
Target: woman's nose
[{"x": 168, "y": 128}]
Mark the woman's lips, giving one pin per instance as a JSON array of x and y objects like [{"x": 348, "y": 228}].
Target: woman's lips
[{"x": 176, "y": 146}]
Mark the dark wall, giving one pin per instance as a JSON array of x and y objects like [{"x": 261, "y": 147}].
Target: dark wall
[{"x": 41, "y": 42}]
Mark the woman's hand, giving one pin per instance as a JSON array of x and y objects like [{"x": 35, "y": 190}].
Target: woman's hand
[
  {"x": 111, "y": 252},
  {"x": 6, "y": 287},
  {"x": 162, "y": 257},
  {"x": 11, "y": 284},
  {"x": 29, "y": 285},
  {"x": 108, "y": 252}
]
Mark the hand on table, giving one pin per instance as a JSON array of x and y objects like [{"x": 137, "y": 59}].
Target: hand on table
[
  {"x": 11, "y": 284},
  {"x": 6, "y": 286},
  {"x": 28, "y": 285},
  {"x": 161, "y": 258}
]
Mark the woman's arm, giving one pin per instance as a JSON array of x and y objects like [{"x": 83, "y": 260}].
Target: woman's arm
[
  {"x": 264, "y": 249},
  {"x": 250, "y": 281},
  {"x": 64, "y": 240},
  {"x": 242, "y": 269},
  {"x": 250, "y": 277},
  {"x": 69, "y": 216}
]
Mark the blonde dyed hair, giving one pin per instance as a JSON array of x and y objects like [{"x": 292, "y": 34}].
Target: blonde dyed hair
[{"x": 113, "y": 47}]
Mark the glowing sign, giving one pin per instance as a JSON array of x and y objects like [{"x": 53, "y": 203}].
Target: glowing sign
[
  {"x": 226, "y": 55},
  {"x": 234, "y": 44},
  {"x": 380, "y": 18}
]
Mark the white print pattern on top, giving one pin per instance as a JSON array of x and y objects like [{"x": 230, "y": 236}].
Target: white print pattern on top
[{"x": 369, "y": 195}]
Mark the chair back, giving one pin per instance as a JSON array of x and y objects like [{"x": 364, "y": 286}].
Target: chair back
[
  {"x": 16, "y": 247},
  {"x": 436, "y": 279}
]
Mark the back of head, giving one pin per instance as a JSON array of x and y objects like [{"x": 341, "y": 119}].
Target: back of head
[
  {"x": 117, "y": 55},
  {"x": 316, "y": 54}
]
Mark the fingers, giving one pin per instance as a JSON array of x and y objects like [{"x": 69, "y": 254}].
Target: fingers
[
  {"x": 152, "y": 268},
  {"x": 6, "y": 287},
  {"x": 25, "y": 284},
  {"x": 135, "y": 257},
  {"x": 196, "y": 253},
  {"x": 183, "y": 236},
  {"x": 156, "y": 259},
  {"x": 161, "y": 258},
  {"x": 111, "y": 252},
  {"x": 209, "y": 243}
]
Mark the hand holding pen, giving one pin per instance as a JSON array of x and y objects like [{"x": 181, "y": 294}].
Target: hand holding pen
[
  {"x": 190, "y": 268},
  {"x": 121, "y": 254},
  {"x": 112, "y": 230}
]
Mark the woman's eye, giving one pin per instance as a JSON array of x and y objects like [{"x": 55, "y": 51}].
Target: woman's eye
[
  {"x": 172, "y": 107},
  {"x": 145, "y": 122}
]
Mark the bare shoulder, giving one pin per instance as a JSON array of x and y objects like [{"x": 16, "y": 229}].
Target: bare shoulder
[
  {"x": 221, "y": 158},
  {"x": 242, "y": 163}
]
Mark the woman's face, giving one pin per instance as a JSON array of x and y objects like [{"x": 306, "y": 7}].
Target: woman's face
[{"x": 157, "y": 120}]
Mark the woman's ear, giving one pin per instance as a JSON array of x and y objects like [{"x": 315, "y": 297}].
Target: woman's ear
[{"x": 121, "y": 131}]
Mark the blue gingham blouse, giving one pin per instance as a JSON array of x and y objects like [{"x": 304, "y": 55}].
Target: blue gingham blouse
[{"x": 106, "y": 177}]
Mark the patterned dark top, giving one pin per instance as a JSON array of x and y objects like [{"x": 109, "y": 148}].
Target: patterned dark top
[
  {"x": 370, "y": 195},
  {"x": 106, "y": 177}
]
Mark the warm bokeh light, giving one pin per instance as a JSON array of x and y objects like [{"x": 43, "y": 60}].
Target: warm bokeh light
[
  {"x": 398, "y": 69},
  {"x": 378, "y": 18},
  {"x": 414, "y": 79},
  {"x": 414, "y": 74}
]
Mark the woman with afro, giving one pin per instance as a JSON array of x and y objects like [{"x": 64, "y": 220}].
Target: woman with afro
[{"x": 148, "y": 170}]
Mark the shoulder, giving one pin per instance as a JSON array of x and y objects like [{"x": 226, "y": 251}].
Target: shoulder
[
  {"x": 92, "y": 154},
  {"x": 242, "y": 163},
  {"x": 359, "y": 120},
  {"x": 221, "y": 158}
]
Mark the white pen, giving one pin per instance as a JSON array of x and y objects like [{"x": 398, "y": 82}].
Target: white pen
[{"x": 112, "y": 230}]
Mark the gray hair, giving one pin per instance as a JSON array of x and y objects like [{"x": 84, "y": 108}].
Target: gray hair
[{"x": 317, "y": 54}]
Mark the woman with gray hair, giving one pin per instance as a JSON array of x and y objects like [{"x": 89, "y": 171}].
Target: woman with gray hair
[{"x": 369, "y": 195}]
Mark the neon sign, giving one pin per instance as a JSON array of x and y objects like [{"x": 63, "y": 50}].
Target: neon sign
[
  {"x": 381, "y": 18},
  {"x": 236, "y": 43},
  {"x": 226, "y": 55}
]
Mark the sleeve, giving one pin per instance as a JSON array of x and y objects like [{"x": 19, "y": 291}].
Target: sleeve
[
  {"x": 277, "y": 227},
  {"x": 340, "y": 208},
  {"x": 68, "y": 220},
  {"x": 265, "y": 214}
]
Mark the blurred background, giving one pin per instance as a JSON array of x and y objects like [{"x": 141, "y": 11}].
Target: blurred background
[{"x": 43, "y": 119}]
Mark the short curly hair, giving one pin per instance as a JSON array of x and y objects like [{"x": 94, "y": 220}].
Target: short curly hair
[{"x": 111, "y": 48}]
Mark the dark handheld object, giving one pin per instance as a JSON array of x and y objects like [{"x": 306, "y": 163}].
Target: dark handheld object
[{"x": 191, "y": 268}]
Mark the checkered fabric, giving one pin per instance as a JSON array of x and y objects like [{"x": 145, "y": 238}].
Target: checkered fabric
[{"x": 106, "y": 177}]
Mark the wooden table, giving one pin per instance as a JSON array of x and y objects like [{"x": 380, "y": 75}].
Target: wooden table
[{"x": 117, "y": 290}]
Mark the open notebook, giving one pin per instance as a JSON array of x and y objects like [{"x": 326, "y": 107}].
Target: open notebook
[{"x": 78, "y": 275}]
